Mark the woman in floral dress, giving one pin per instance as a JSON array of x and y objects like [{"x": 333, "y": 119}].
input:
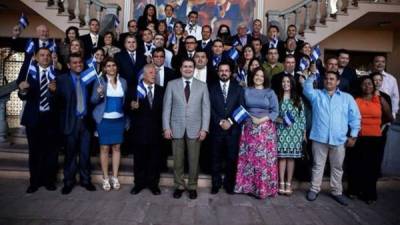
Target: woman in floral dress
[
  {"x": 291, "y": 131},
  {"x": 257, "y": 172}
]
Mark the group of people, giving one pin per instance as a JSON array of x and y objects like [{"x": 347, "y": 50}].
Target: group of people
[{"x": 250, "y": 95}]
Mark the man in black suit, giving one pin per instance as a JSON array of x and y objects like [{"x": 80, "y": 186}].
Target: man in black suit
[
  {"x": 169, "y": 19},
  {"x": 132, "y": 30},
  {"x": 289, "y": 66},
  {"x": 185, "y": 52},
  {"x": 273, "y": 35},
  {"x": 163, "y": 73},
  {"x": 346, "y": 72},
  {"x": 39, "y": 119},
  {"x": 292, "y": 33},
  {"x": 225, "y": 97},
  {"x": 130, "y": 61},
  {"x": 92, "y": 39},
  {"x": 242, "y": 38},
  {"x": 290, "y": 49},
  {"x": 73, "y": 98},
  {"x": 146, "y": 123},
  {"x": 217, "y": 56},
  {"x": 205, "y": 43}
]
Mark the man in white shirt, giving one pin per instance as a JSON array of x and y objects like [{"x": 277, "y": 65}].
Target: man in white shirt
[
  {"x": 163, "y": 73},
  {"x": 205, "y": 43},
  {"x": 192, "y": 27},
  {"x": 200, "y": 70},
  {"x": 148, "y": 46},
  {"x": 389, "y": 85},
  {"x": 93, "y": 39},
  {"x": 159, "y": 42}
]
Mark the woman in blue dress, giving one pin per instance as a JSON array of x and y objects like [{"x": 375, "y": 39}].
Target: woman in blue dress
[{"x": 108, "y": 97}]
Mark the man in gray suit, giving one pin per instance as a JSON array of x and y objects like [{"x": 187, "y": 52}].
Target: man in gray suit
[{"x": 186, "y": 117}]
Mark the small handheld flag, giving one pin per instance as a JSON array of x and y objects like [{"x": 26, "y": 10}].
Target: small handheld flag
[
  {"x": 23, "y": 21},
  {"x": 53, "y": 46},
  {"x": 88, "y": 75},
  {"x": 304, "y": 63},
  {"x": 91, "y": 62},
  {"x": 140, "y": 90},
  {"x": 116, "y": 21},
  {"x": 52, "y": 73},
  {"x": 30, "y": 48},
  {"x": 240, "y": 114},
  {"x": 241, "y": 75},
  {"x": 172, "y": 39},
  {"x": 233, "y": 54},
  {"x": 274, "y": 43},
  {"x": 316, "y": 53},
  {"x": 288, "y": 119},
  {"x": 32, "y": 70}
]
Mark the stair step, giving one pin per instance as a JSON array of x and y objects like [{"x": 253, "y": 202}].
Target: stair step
[{"x": 52, "y": 7}]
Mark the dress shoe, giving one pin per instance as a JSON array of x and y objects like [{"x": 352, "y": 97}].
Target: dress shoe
[
  {"x": 192, "y": 194},
  {"x": 341, "y": 199},
  {"x": 333, "y": 16},
  {"x": 136, "y": 190},
  {"x": 311, "y": 195},
  {"x": 178, "y": 193},
  {"x": 31, "y": 189},
  {"x": 66, "y": 189},
  {"x": 155, "y": 190},
  {"x": 89, "y": 186},
  {"x": 51, "y": 187},
  {"x": 214, "y": 190}
]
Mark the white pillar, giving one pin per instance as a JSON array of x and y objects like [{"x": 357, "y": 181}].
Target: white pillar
[
  {"x": 127, "y": 14},
  {"x": 260, "y": 14}
]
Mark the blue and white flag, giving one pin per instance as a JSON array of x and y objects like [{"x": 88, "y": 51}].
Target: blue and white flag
[
  {"x": 288, "y": 119},
  {"x": 240, "y": 114},
  {"x": 141, "y": 90},
  {"x": 273, "y": 43},
  {"x": 53, "y": 46},
  {"x": 241, "y": 75},
  {"x": 32, "y": 70},
  {"x": 304, "y": 63},
  {"x": 316, "y": 53},
  {"x": 23, "y": 21},
  {"x": 236, "y": 43},
  {"x": 233, "y": 54},
  {"x": 88, "y": 75},
  {"x": 30, "y": 48},
  {"x": 91, "y": 62},
  {"x": 116, "y": 21},
  {"x": 52, "y": 73}
]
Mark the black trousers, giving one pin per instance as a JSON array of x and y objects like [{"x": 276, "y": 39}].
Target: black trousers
[
  {"x": 77, "y": 144},
  {"x": 363, "y": 167},
  {"x": 224, "y": 148},
  {"x": 43, "y": 151},
  {"x": 146, "y": 164}
]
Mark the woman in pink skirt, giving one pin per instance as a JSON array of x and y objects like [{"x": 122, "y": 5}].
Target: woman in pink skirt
[{"x": 257, "y": 172}]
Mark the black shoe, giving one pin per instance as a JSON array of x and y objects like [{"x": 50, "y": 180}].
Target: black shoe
[
  {"x": 333, "y": 16},
  {"x": 214, "y": 190},
  {"x": 66, "y": 189},
  {"x": 51, "y": 187},
  {"x": 178, "y": 193},
  {"x": 155, "y": 190},
  {"x": 136, "y": 190},
  {"x": 89, "y": 186},
  {"x": 31, "y": 189},
  {"x": 229, "y": 191},
  {"x": 192, "y": 194}
]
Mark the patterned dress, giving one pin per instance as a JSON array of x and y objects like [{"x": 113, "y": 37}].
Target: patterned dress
[
  {"x": 257, "y": 171},
  {"x": 290, "y": 138}
]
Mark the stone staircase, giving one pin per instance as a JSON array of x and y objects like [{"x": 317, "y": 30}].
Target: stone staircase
[{"x": 311, "y": 17}]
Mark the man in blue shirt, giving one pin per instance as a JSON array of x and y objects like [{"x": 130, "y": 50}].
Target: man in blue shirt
[{"x": 333, "y": 113}]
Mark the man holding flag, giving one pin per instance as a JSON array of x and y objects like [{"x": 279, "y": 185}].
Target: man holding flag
[{"x": 36, "y": 83}]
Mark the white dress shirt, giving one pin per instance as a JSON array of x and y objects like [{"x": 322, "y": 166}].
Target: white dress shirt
[
  {"x": 168, "y": 58},
  {"x": 196, "y": 31},
  {"x": 41, "y": 43},
  {"x": 201, "y": 74},
  {"x": 111, "y": 92},
  {"x": 161, "y": 73},
  {"x": 227, "y": 86},
  {"x": 184, "y": 82},
  {"x": 95, "y": 39},
  {"x": 389, "y": 86},
  {"x": 147, "y": 88}
]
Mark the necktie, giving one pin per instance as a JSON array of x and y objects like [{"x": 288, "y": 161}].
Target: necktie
[
  {"x": 43, "y": 44},
  {"x": 79, "y": 97},
  {"x": 203, "y": 45},
  {"x": 187, "y": 90},
  {"x": 150, "y": 96},
  {"x": 190, "y": 55},
  {"x": 95, "y": 41},
  {"x": 44, "y": 102},
  {"x": 132, "y": 55},
  {"x": 191, "y": 26},
  {"x": 148, "y": 47},
  {"x": 224, "y": 92}
]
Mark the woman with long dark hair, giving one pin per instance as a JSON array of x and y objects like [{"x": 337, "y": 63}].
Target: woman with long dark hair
[
  {"x": 149, "y": 15},
  {"x": 291, "y": 131}
]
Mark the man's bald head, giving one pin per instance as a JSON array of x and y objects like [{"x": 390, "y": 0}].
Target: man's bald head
[{"x": 42, "y": 32}]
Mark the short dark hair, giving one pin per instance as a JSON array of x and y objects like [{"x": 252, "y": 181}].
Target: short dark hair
[
  {"x": 332, "y": 72},
  {"x": 360, "y": 80},
  {"x": 190, "y": 37},
  {"x": 74, "y": 55},
  {"x": 98, "y": 49},
  {"x": 169, "y": 5},
  {"x": 206, "y": 26},
  {"x": 217, "y": 40},
  {"x": 292, "y": 25},
  {"x": 376, "y": 73},
  {"x": 109, "y": 33},
  {"x": 290, "y": 57},
  {"x": 250, "y": 78},
  {"x": 331, "y": 57},
  {"x": 130, "y": 36},
  {"x": 187, "y": 60},
  {"x": 159, "y": 49},
  {"x": 130, "y": 21},
  {"x": 42, "y": 48},
  {"x": 256, "y": 39},
  {"x": 226, "y": 62},
  {"x": 273, "y": 26},
  {"x": 93, "y": 19},
  {"x": 256, "y": 20},
  {"x": 193, "y": 12},
  {"x": 342, "y": 51},
  {"x": 272, "y": 49}
]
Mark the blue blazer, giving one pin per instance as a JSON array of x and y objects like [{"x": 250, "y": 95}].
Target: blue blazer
[
  {"x": 127, "y": 69},
  {"x": 100, "y": 102}
]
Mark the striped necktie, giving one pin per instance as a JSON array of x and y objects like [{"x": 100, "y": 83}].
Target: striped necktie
[{"x": 44, "y": 101}]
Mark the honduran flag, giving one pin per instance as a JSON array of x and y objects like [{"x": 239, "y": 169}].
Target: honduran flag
[
  {"x": 233, "y": 54},
  {"x": 88, "y": 75},
  {"x": 304, "y": 63},
  {"x": 91, "y": 62},
  {"x": 53, "y": 46},
  {"x": 288, "y": 119},
  {"x": 52, "y": 73},
  {"x": 240, "y": 114},
  {"x": 30, "y": 48},
  {"x": 23, "y": 21},
  {"x": 274, "y": 43},
  {"x": 141, "y": 90},
  {"x": 32, "y": 70},
  {"x": 316, "y": 53},
  {"x": 116, "y": 21},
  {"x": 241, "y": 75}
]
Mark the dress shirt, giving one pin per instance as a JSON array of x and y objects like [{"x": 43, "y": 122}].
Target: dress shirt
[
  {"x": 161, "y": 73},
  {"x": 147, "y": 88},
  {"x": 196, "y": 31},
  {"x": 95, "y": 39},
  {"x": 190, "y": 84},
  {"x": 221, "y": 83},
  {"x": 41, "y": 43},
  {"x": 201, "y": 74},
  {"x": 389, "y": 86},
  {"x": 331, "y": 115}
]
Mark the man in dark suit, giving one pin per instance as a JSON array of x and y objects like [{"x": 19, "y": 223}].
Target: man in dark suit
[
  {"x": 92, "y": 39},
  {"x": 132, "y": 30},
  {"x": 186, "y": 52},
  {"x": 146, "y": 123},
  {"x": 290, "y": 49},
  {"x": 225, "y": 97},
  {"x": 242, "y": 38},
  {"x": 169, "y": 19},
  {"x": 73, "y": 98},
  {"x": 217, "y": 56},
  {"x": 346, "y": 72},
  {"x": 130, "y": 61},
  {"x": 273, "y": 35},
  {"x": 39, "y": 119},
  {"x": 292, "y": 33},
  {"x": 205, "y": 43},
  {"x": 163, "y": 73},
  {"x": 289, "y": 65}
]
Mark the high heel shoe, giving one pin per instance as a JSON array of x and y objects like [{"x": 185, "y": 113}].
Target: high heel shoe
[
  {"x": 288, "y": 188},
  {"x": 281, "y": 189}
]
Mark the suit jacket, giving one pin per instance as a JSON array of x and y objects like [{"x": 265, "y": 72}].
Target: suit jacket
[
  {"x": 207, "y": 48},
  {"x": 66, "y": 102},
  {"x": 350, "y": 77},
  {"x": 127, "y": 69},
  {"x": 99, "y": 102},
  {"x": 186, "y": 117},
  {"x": 88, "y": 44},
  {"x": 280, "y": 47},
  {"x": 121, "y": 39},
  {"x": 19, "y": 42},
  {"x": 146, "y": 122},
  {"x": 236, "y": 38},
  {"x": 30, "y": 115},
  {"x": 177, "y": 59},
  {"x": 171, "y": 25},
  {"x": 221, "y": 110},
  {"x": 169, "y": 74}
]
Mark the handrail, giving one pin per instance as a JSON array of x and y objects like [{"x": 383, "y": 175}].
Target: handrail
[
  {"x": 108, "y": 6},
  {"x": 289, "y": 10}
]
